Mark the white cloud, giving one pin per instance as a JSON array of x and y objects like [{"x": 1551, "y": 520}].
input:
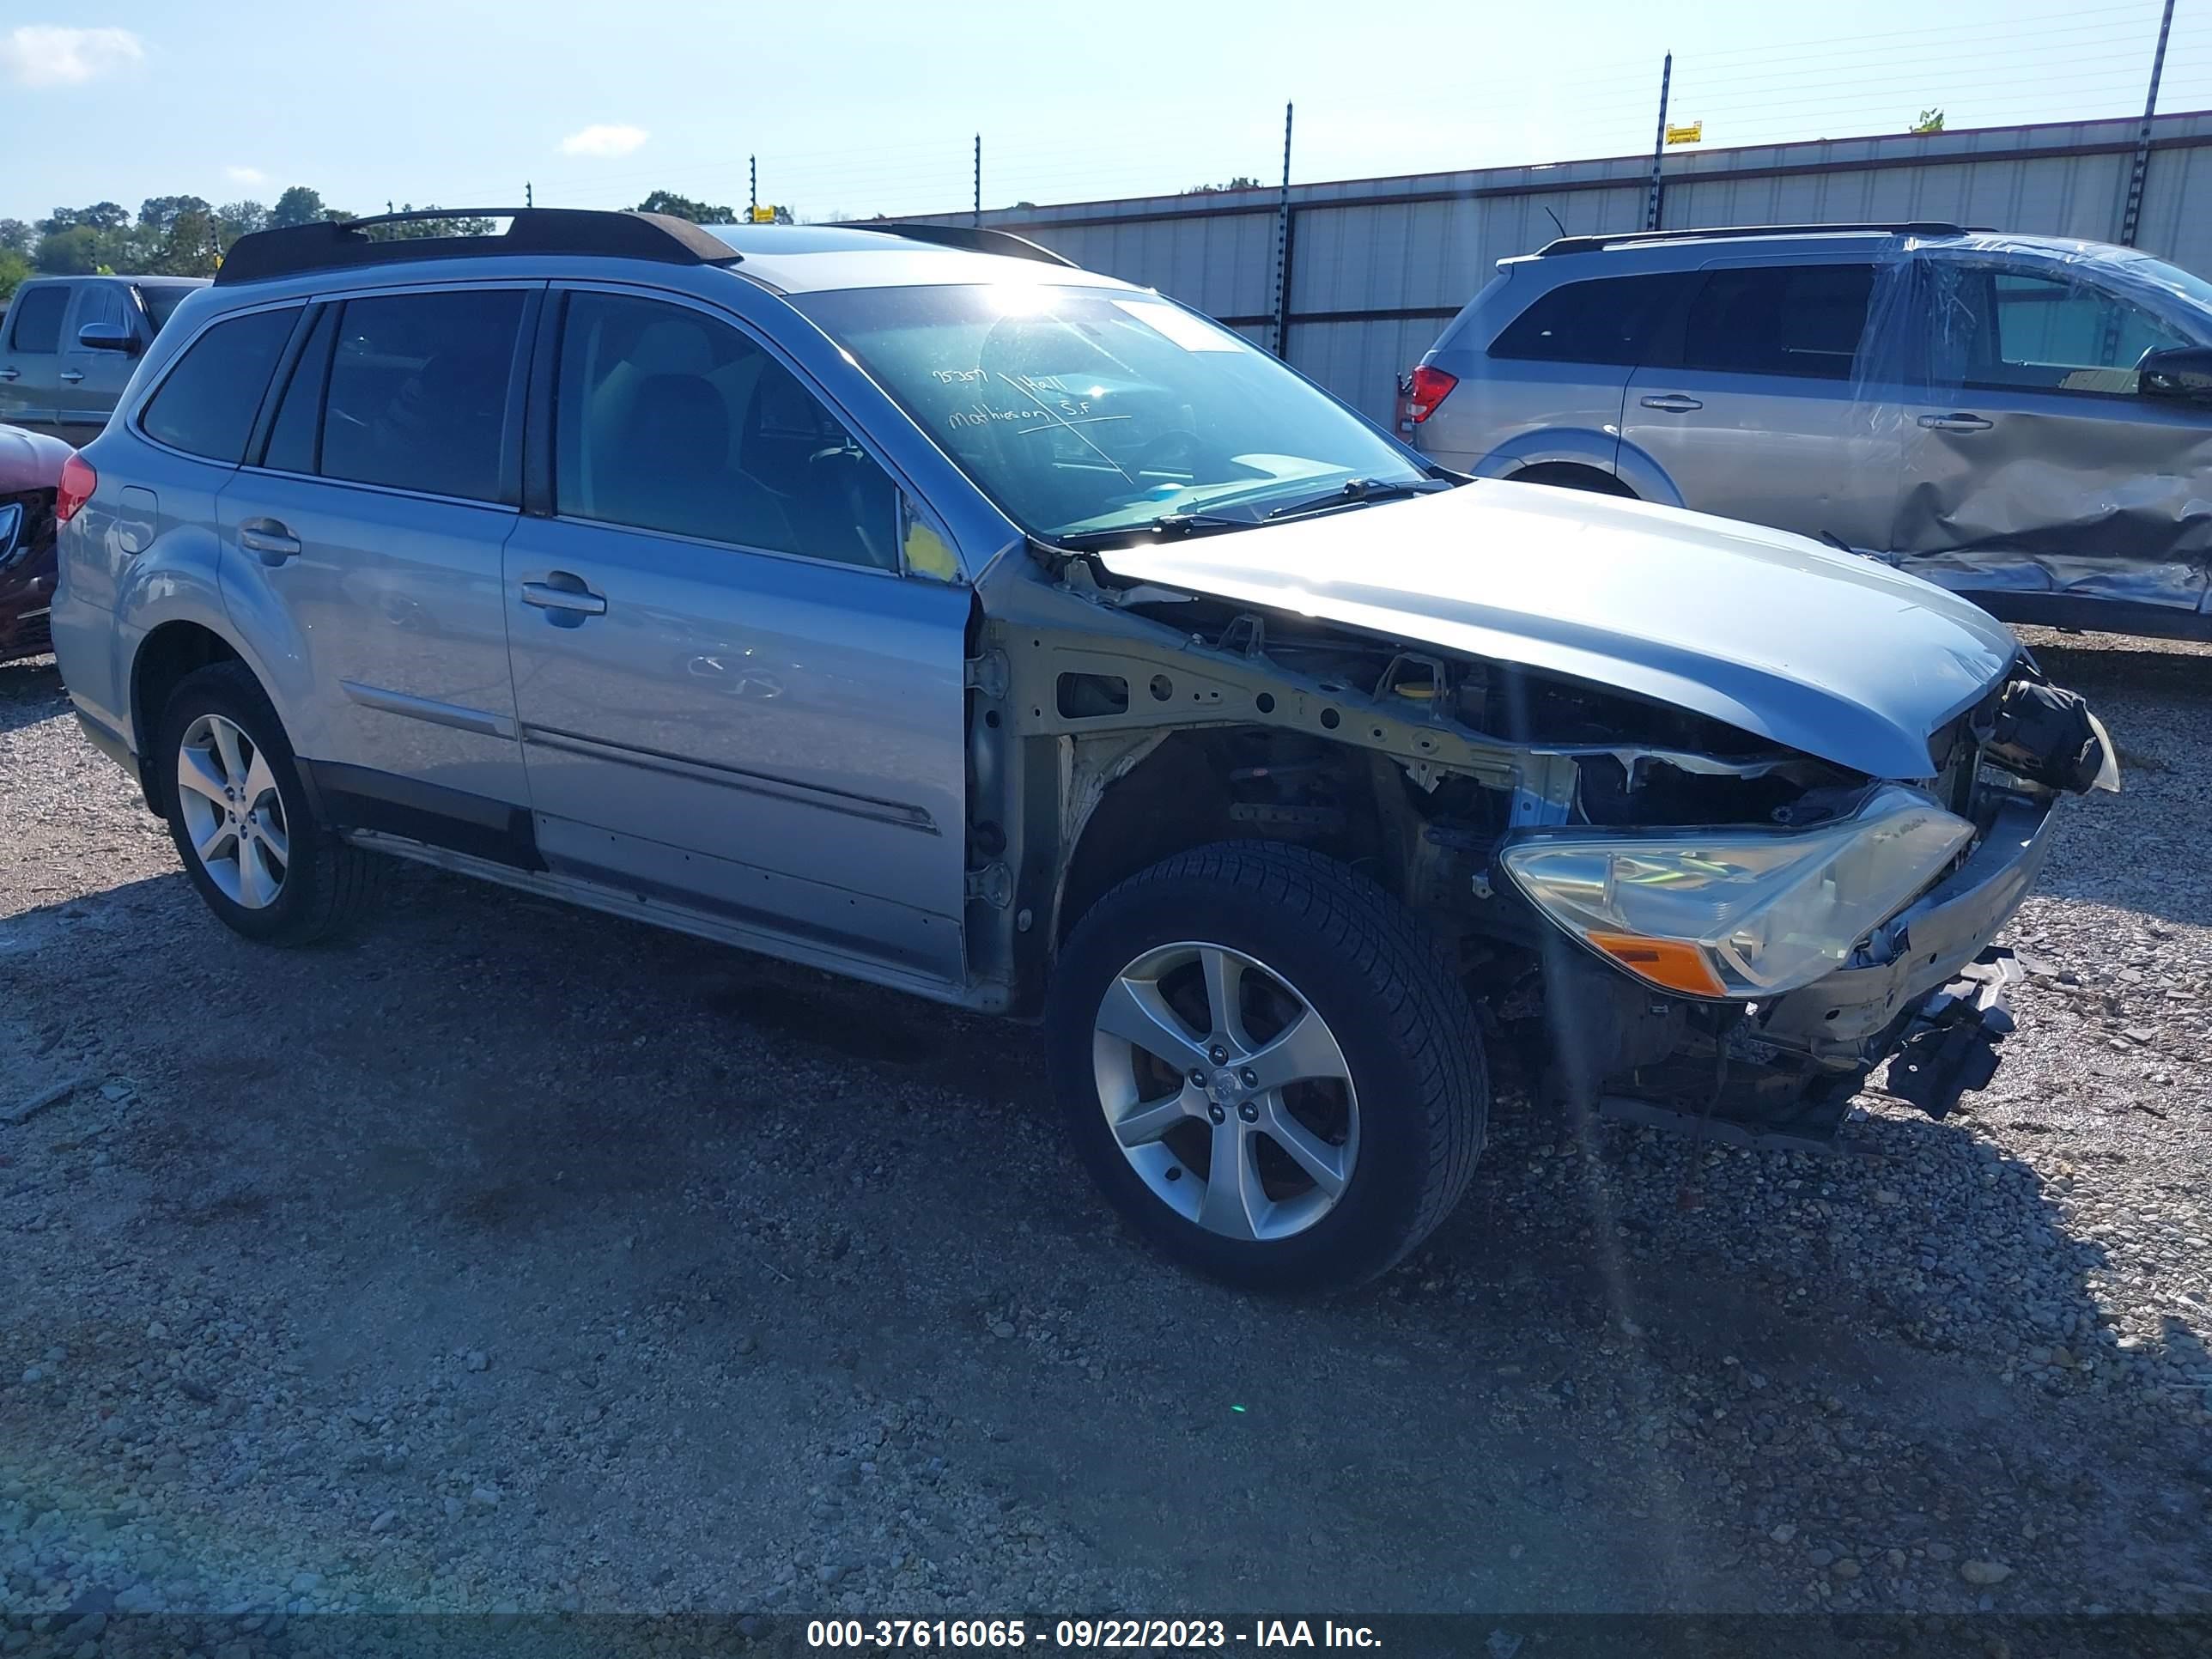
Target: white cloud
[
  {"x": 246, "y": 175},
  {"x": 604, "y": 140},
  {"x": 45, "y": 55}
]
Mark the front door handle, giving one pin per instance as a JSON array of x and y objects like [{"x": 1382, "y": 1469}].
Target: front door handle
[
  {"x": 72, "y": 375},
  {"x": 1954, "y": 423},
  {"x": 562, "y": 592},
  {"x": 1673, "y": 403},
  {"x": 10, "y": 373},
  {"x": 268, "y": 538}
]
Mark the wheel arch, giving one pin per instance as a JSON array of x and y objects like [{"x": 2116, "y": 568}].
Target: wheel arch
[{"x": 170, "y": 651}]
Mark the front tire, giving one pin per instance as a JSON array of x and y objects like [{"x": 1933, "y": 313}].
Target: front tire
[
  {"x": 1267, "y": 1066},
  {"x": 240, "y": 817}
]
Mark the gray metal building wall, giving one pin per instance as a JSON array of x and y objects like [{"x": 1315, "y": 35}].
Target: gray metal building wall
[{"x": 1378, "y": 265}]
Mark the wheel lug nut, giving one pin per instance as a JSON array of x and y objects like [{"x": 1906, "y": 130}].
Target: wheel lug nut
[
  {"x": 1251, "y": 1078},
  {"x": 1198, "y": 1077},
  {"x": 1249, "y": 1112},
  {"x": 1220, "y": 1054},
  {"x": 1216, "y": 1113}
]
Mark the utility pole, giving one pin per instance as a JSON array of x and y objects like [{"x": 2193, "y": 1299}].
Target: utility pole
[
  {"x": 2131, "y": 212},
  {"x": 1658, "y": 144},
  {"x": 1283, "y": 245},
  {"x": 528, "y": 198},
  {"x": 979, "y": 180},
  {"x": 752, "y": 202}
]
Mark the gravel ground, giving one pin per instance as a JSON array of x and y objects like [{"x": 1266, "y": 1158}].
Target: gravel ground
[{"x": 509, "y": 1257}]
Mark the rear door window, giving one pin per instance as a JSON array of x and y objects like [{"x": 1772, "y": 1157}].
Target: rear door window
[
  {"x": 1606, "y": 320},
  {"x": 419, "y": 393},
  {"x": 1798, "y": 320},
  {"x": 207, "y": 402},
  {"x": 35, "y": 321}
]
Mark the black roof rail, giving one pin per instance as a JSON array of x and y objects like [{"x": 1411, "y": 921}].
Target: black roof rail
[
  {"x": 337, "y": 243},
  {"x": 1899, "y": 228},
  {"x": 974, "y": 239}
]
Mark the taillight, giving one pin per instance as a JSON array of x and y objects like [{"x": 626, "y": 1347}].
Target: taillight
[
  {"x": 78, "y": 482},
  {"x": 1430, "y": 386}
]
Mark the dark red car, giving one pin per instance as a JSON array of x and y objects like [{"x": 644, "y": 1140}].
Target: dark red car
[{"x": 30, "y": 472}]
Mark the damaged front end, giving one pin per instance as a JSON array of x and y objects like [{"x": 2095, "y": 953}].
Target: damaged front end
[{"x": 1921, "y": 990}]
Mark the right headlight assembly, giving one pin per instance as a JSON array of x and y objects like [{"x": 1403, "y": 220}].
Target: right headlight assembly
[{"x": 1734, "y": 913}]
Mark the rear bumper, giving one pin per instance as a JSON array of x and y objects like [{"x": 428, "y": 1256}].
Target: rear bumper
[{"x": 1855, "y": 1014}]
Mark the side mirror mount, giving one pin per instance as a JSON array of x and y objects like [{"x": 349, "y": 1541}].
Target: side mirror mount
[
  {"x": 108, "y": 337},
  {"x": 2181, "y": 375}
]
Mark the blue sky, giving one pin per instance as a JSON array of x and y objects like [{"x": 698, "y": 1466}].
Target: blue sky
[{"x": 864, "y": 107}]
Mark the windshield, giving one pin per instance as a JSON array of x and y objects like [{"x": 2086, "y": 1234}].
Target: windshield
[
  {"x": 160, "y": 300},
  {"x": 1081, "y": 410}
]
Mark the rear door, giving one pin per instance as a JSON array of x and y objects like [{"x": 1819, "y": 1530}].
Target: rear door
[
  {"x": 363, "y": 548},
  {"x": 30, "y": 357},
  {"x": 1750, "y": 405},
  {"x": 90, "y": 382},
  {"x": 733, "y": 696},
  {"x": 2034, "y": 467},
  {"x": 1548, "y": 388}
]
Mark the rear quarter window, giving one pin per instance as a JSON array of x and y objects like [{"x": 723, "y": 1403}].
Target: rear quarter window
[
  {"x": 1603, "y": 319},
  {"x": 206, "y": 404}
]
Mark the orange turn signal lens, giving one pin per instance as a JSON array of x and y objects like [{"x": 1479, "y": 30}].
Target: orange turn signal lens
[{"x": 1665, "y": 961}]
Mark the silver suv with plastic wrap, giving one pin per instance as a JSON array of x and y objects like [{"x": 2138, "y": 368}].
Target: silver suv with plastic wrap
[
  {"x": 910, "y": 604},
  {"x": 2023, "y": 419}
]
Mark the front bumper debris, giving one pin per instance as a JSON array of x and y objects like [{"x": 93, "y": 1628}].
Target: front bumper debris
[{"x": 1949, "y": 1045}]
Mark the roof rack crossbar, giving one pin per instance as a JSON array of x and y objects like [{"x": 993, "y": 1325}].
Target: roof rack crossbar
[
  {"x": 974, "y": 239},
  {"x": 337, "y": 243},
  {"x": 1891, "y": 227}
]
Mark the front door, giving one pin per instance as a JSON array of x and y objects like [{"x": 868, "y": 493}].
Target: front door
[
  {"x": 367, "y": 539},
  {"x": 731, "y": 697},
  {"x": 90, "y": 382},
  {"x": 2034, "y": 469},
  {"x": 1752, "y": 409}
]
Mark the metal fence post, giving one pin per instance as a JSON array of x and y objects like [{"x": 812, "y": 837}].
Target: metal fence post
[
  {"x": 752, "y": 187},
  {"x": 2131, "y": 212},
  {"x": 1283, "y": 246},
  {"x": 979, "y": 180},
  {"x": 1658, "y": 144}
]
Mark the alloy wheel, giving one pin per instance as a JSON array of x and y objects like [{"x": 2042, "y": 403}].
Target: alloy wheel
[
  {"x": 234, "y": 812},
  {"x": 1226, "y": 1090}
]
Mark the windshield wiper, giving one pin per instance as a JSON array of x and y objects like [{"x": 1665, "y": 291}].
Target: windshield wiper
[
  {"x": 1353, "y": 490},
  {"x": 1165, "y": 528}
]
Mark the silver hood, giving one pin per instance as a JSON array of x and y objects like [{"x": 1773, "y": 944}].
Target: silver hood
[{"x": 1823, "y": 650}]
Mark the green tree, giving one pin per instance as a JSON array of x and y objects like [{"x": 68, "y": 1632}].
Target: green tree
[
  {"x": 158, "y": 214},
  {"x": 100, "y": 215},
  {"x": 74, "y": 250},
  {"x": 235, "y": 219},
  {"x": 683, "y": 207},
  {"x": 13, "y": 268},
  {"x": 297, "y": 206},
  {"x": 17, "y": 237},
  {"x": 1931, "y": 120}
]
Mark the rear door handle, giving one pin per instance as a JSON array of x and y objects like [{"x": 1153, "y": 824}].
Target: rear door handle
[
  {"x": 1673, "y": 403},
  {"x": 72, "y": 375},
  {"x": 565, "y": 592},
  {"x": 270, "y": 539},
  {"x": 1954, "y": 423}
]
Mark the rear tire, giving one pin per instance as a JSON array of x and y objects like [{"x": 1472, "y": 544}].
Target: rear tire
[
  {"x": 1351, "y": 1141},
  {"x": 239, "y": 814}
]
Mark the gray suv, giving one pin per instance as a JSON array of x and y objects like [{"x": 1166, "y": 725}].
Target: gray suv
[
  {"x": 2025, "y": 420},
  {"x": 912, "y": 604}
]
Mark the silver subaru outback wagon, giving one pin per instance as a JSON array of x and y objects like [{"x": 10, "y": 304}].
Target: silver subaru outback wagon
[
  {"x": 910, "y": 604},
  {"x": 2025, "y": 420}
]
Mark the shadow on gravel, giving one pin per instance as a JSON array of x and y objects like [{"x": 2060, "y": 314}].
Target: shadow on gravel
[
  {"x": 2099, "y": 669},
  {"x": 587, "y": 1148},
  {"x": 30, "y": 691}
]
